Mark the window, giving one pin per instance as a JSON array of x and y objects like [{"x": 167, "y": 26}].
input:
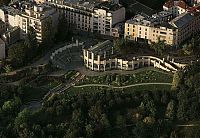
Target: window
[{"x": 163, "y": 33}]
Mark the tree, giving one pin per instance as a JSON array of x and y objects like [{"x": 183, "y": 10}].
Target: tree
[
  {"x": 187, "y": 49},
  {"x": 31, "y": 43},
  {"x": 89, "y": 131},
  {"x": 64, "y": 32},
  {"x": 17, "y": 54},
  {"x": 31, "y": 39},
  {"x": 47, "y": 30},
  {"x": 117, "y": 44},
  {"x": 170, "y": 111},
  {"x": 177, "y": 79},
  {"x": 11, "y": 106},
  {"x": 104, "y": 121},
  {"x": 7, "y": 68},
  {"x": 158, "y": 46},
  {"x": 120, "y": 121}
]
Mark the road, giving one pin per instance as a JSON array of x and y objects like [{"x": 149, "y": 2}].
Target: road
[{"x": 121, "y": 87}]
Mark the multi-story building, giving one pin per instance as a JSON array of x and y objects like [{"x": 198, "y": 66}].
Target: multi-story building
[
  {"x": 173, "y": 30},
  {"x": 150, "y": 29},
  {"x": 25, "y": 15},
  {"x": 195, "y": 12},
  {"x": 93, "y": 16},
  {"x": 175, "y": 7},
  {"x": 183, "y": 23}
]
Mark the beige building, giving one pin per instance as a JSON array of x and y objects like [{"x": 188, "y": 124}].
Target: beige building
[
  {"x": 26, "y": 15},
  {"x": 97, "y": 17},
  {"x": 149, "y": 29}
]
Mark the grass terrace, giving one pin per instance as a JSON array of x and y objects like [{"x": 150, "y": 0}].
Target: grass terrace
[{"x": 135, "y": 78}]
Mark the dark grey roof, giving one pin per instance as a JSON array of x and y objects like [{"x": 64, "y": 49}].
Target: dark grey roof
[
  {"x": 101, "y": 48},
  {"x": 181, "y": 20}
]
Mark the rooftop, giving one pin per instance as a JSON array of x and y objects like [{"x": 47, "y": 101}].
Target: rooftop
[
  {"x": 162, "y": 14},
  {"x": 29, "y": 9},
  {"x": 109, "y": 6},
  {"x": 181, "y": 20},
  {"x": 143, "y": 20},
  {"x": 179, "y": 3},
  {"x": 194, "y": 9},
  {"x": 100, "y": 48}
]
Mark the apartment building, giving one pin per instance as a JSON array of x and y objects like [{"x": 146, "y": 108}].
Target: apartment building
[
  {"x": 187, "y": 25},
  {"x": 150, "y": 29},
  {"x": 176, "y": 7},
  {"x": 97, "y": 17},
  {"x": 195, "y": 12},
  {"x": 25, "y": 15}
]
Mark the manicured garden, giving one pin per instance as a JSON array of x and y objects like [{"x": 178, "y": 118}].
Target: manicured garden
[
  {"x": 97, "y": 89},
  {"x": 123, "y": 80}
]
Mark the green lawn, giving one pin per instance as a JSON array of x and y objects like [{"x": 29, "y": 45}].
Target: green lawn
[
  {"x": 123, "y": 80},
  {"x": 148, "y": 88},
  {"x": 96, "y": 89}
]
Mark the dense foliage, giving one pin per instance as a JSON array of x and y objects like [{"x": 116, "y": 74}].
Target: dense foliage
[{"x": 106, "y": 112}]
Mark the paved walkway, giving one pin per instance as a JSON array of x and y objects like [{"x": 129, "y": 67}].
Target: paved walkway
[{"x": 121, "y": 87}]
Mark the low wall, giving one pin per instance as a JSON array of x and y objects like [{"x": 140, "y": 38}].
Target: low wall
[
  {"x": 136, "y": 62},
  {"x": 64, "y": 48}
]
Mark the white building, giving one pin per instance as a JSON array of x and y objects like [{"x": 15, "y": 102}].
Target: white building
[
  {"x": 91, "y": 16},
  {"x": 25, "y": 15}
]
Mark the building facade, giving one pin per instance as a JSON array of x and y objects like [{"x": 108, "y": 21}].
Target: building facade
[
  {"x": 150, "y": 30},
  {"x": 97, "y": 17},
  {"x": 101, "y": 57},
  {"x": 25, "y": 15},
  {"x": 184, "y": 26}
]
